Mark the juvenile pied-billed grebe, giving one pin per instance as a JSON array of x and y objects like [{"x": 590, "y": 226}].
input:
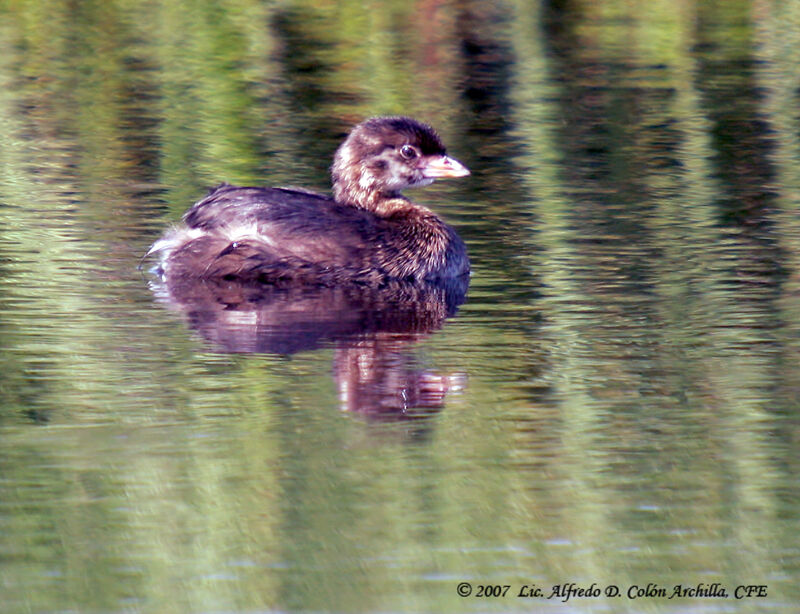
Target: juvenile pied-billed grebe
[{"x": 368, "y": 233}]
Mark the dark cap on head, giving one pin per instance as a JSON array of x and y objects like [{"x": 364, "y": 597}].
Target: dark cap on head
[{"x": 396, "y": 131}]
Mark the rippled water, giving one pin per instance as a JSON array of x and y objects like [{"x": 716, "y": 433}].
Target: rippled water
[{"x": 616, "y": 402}]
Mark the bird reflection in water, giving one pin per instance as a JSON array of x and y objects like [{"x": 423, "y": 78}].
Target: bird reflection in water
[{"x": 373, "y": 330}]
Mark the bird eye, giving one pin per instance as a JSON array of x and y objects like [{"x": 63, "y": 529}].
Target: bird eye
[{"x": 408, "y": 152}]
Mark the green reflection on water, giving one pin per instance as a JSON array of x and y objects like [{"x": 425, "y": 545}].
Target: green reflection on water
[{"x": 631, "y": 340}]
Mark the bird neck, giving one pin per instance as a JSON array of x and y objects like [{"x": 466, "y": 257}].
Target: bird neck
[
  {"x": 362, "y": 185},
  {"x": 364, "y": 195}
]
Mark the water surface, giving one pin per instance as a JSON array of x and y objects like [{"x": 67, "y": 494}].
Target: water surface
[{"x": 616, "y": 401}]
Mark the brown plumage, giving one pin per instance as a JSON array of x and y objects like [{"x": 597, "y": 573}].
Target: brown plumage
[{"x": 367, "y": 234}]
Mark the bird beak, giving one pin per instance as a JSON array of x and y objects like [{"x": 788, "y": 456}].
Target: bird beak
[{"x": 437, "y": 167}]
